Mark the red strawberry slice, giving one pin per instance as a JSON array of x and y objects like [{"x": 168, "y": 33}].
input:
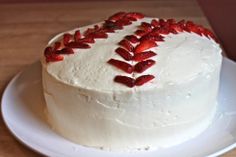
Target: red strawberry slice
[
  {"x": 98, "y": 35},
  {"x": 132, "y": 38},
  {"x": 162, "y": 22},
  {"x": 131, "y": 18},
  {"x": 143, "y": 79},
  {"x": 140, "y": 32},
  {"x": 143, "y": 55},
  {"x": 170, "y": 21},
  {"x": 127, "y": 45},
  {"x": 110, "y": 25},
  {"x": 51, "y": 56},
  {"x": 54, "y": 58},
  {"x": 128, "y": 81},
  {"x": 164, "y": 30},
  {"x": 117, "y": 16},
  {"x": 48, "y": 51},
  {"x": 196, "y": 30},
  {"x": 135, "y": 15},
  {"x": 65, "y": 50},
  {"x": 121, "y": 65},
  {"x": 78, "y": 45},
  {"x": 208, "y": 34},
  {"x": 57, "y": 46},
  {"x": 77, "y": 35},
  {"x": 144, "y": 45},
  {"x": 147, "y": 27},
  {"x": 89, "y": 31},
  {"x": 123, "y": 22},
  {"x": 151, "y": 36},
  {"x": 86, "y": 40},
  {"x": 96, "y": 27},
  {"x": 144, "y": 65},
  {"x": 107, "y": 30},
  {"x": 154, "y": 23},
  {"x": 188, "y": 26},
  {"x": 67, "y": 38},
  {"x": 181, "y": 22},
  {"x": 176, "y": 27},
  {"x": 124, "y": 54}
]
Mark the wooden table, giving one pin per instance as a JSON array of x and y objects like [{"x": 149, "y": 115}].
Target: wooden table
[{"x": 26, "y": 28}]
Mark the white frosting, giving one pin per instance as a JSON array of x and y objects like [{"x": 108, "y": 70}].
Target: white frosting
[{"x": 88, "y": 107}]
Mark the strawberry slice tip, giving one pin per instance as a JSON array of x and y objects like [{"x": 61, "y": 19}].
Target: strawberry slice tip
[
  {"x": 78, "y": 45},
  {"x": 124, "y": 54},
  {"x": 143, "y": 65},
  {"x": 126, "y": 67},
  {"x": 127, "y": 45},
  {"x": 128, "y": 81},
  {"x": 143, "y": 79},
  {"x": 143, "y": 55},
  {"x": 144, "y": 45}
]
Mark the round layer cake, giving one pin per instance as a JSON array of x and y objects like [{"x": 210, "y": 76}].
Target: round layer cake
[{"x": 132, "y": 82}]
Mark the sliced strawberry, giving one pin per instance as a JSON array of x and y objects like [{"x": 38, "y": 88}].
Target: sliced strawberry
[
  {"x": 144, "y": 45},
  {"x": 107, "y": 30},
  {"x": 181, "y": 24},
  {"x": 164, "y": 30},
  {"x": 140, "y": 32},
  {"x": 155, "y": 31},
  {"x": 57, "y": 46},
  {"x": 176, "y": 27},
  {"x": 110, "y": 25},
  {"x": 151, "y": 36},
  {"x": 135, "y": 15},
  {"x": 154, "y": 23},
  {"x": 48, "y": 51},
  {"x": 96, "y": 27},
  {"x": 54, "y": 58},
  {"x": 162, "y": 22},
  {"x": 127, "y": 45},
  {"x": 123, "y": 22},
  {"x": 171, "y": 30},
  {"x": 196, "y": 30},
  {"x": 143, "y": 79},
  {"x": 67, "y": 38},
  {"x": 171, "y": 21},
  {"x": 144, "y": 65},
  {"x": 143, "y": 55},
  {"x": 128, "y": 81},
  {"x": 121, "y": 65},
  {"x": 188, "y": 26},
  {"x": 65, "y": 50},
  {"x": 147, "y": 27},
  {"x": 77, "y": 35},
  {"x": 209, "y": 34},
  {"x": 89, "y": 31},
  {"x": 124, "y": 54},
  {"x": 117, "y": 16},
  {"x": 98, "y": 35},
  {"x": 78, "y": 45},
  {"x": 132, "y": 38},
  {"x": 131, "y": 18},
  {"x": 87, "y": 40}
]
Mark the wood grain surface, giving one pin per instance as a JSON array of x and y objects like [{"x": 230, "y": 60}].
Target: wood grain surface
[{"x": 25, "y": 29}]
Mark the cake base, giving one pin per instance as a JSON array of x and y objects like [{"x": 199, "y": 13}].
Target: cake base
[{"x": 164, "y": 140}]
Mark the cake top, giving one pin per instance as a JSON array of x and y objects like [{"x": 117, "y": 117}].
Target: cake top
[{"x": 130, "y": 50}]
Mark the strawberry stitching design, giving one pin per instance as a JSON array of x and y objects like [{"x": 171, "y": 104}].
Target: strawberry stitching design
[
  {"x": 146, "y": 37},
  {"x": 81, "y": 41}
]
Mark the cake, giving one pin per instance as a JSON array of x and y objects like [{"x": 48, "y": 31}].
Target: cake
[{"x": 132, "y": 82}]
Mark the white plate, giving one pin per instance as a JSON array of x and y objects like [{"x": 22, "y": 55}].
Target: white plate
[{"x": 23, "y": 112}]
